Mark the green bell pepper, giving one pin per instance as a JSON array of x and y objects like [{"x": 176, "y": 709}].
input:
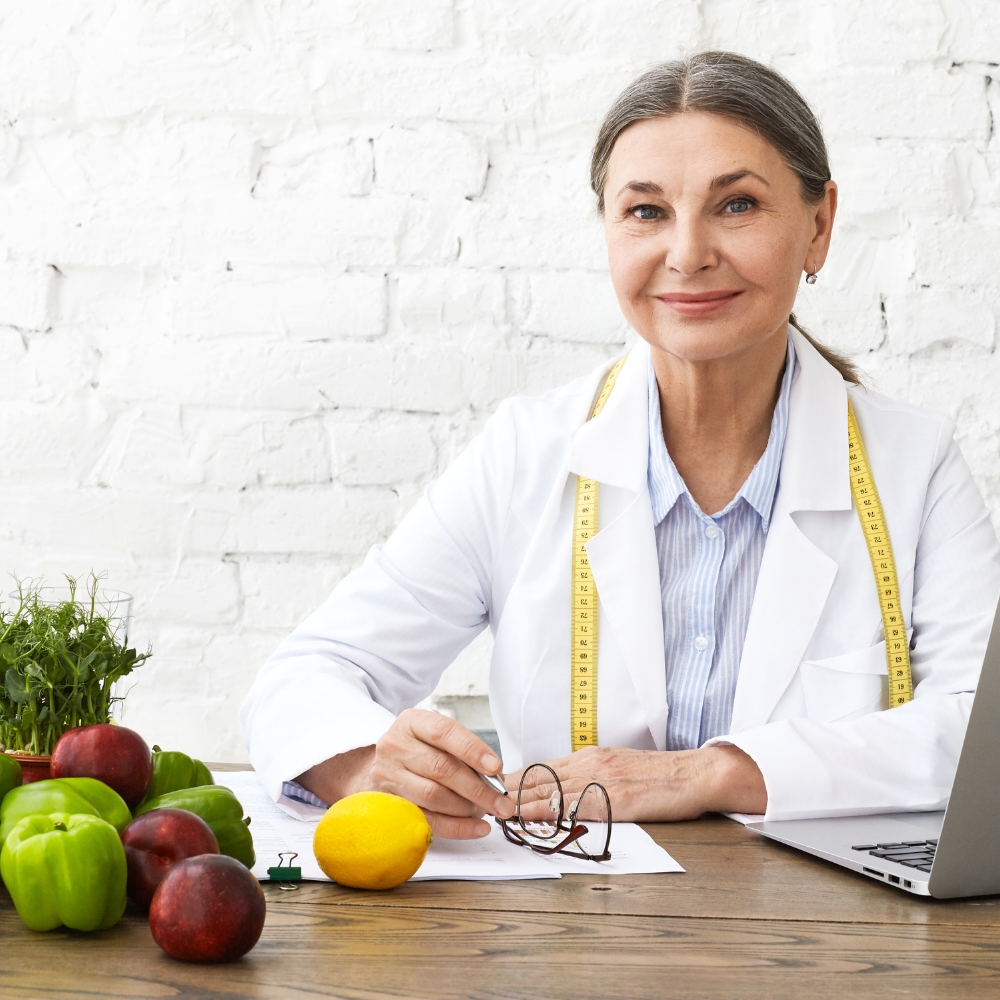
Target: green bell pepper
[
  {"x": 63, "y": 795},
  {"x": 172, "y": 771},
  {"x": 220, "y": 809},
  {"x": 10, "y": 774},
  {"x": 65, "y": 869}
]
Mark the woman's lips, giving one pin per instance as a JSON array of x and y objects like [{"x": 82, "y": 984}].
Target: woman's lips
[{"x": 698, "y": 303}]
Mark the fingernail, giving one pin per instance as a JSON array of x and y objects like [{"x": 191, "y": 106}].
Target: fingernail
[{"x": 491, "y": 763}]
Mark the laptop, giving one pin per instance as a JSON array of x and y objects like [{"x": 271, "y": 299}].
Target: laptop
[{"x": 941, "y": 854}]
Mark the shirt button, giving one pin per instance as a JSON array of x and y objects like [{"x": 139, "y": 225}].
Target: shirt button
[
  {"x": 701, "y": 644},
  {"x": 712, "y": 531}
]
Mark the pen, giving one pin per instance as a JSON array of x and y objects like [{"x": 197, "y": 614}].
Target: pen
[{"x": 495, "y": 781}]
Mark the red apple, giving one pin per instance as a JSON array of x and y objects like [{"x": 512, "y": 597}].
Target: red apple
[
  {"x": 113, "y": 754},
  {"x": 208, "y": 909},
  {"x": 155, "y": 841}
]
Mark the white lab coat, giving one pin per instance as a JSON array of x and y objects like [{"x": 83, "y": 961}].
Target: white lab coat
[{"x": 489, "y": 544}]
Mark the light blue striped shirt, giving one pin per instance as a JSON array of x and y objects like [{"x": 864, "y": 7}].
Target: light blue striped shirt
[{"x": 708, "y": 572}]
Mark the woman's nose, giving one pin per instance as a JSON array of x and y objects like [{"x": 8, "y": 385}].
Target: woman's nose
[{"x": 689, "y": 247}]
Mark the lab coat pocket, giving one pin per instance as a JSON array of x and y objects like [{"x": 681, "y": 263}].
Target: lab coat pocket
[{"x": 846, "y": 686}]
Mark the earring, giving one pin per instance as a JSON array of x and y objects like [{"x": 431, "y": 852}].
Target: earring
[{"x": 811, "y": 278}]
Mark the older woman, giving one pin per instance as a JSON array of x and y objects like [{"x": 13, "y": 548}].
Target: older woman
[{"x": 743, "y": 603}]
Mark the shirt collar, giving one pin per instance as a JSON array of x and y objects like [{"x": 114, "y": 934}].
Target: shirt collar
[{"x": 666, "y": 484}]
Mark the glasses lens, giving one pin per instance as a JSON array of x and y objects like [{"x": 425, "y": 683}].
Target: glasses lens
[
  {"x": 594, "y": 813},
  {"x": 540, "y": 803}
]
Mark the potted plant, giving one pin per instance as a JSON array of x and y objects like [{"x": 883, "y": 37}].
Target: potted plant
[{"x": 59, "y": 661}]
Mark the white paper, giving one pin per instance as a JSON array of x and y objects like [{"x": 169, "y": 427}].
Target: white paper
[
  {"x": 745, "y": 818},
  {"x": 274, "y": 831},
  {"x": 492, "y": 858},
  {"x": 633, "y": 852}
]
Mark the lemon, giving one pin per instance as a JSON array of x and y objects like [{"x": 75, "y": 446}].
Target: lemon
[{"x": 371, "y": 840}]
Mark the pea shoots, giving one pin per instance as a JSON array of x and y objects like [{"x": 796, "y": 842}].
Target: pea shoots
[{"x": 58, "y": 666}]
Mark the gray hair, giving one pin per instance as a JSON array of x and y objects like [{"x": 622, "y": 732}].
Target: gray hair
[
  {"x": 734, "y": 87},
  {"x": 742, "y": 90}
]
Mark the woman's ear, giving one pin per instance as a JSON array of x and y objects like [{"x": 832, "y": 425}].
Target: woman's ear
[{"x": 825, "y": 211}]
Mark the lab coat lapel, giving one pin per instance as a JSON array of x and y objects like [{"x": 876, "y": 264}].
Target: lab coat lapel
[
  {"x": 536, "y": 620},
  {"x": 795, "y": 575},
  {"x": 613, "y": 448}
]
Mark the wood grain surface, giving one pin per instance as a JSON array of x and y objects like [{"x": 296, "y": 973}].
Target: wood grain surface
[
  {"x": 729, "y": 873},
  {"x": 749, "y": 919},
  {"x": 313, "y": 949}
]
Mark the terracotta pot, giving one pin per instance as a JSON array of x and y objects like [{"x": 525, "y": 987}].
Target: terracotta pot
[{"x": 33, "y": 768}]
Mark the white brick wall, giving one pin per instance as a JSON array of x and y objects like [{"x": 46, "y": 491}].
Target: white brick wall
[{"x": 266, "y": 267}]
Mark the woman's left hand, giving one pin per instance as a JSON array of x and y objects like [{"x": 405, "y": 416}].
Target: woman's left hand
[{"x": 654, "y": 785}]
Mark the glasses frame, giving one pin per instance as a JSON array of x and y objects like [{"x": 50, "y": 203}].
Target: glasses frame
[{"x": 571, "y": 830}]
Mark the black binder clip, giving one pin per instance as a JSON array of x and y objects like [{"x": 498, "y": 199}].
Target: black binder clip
[{"x": 283, "y": 872}]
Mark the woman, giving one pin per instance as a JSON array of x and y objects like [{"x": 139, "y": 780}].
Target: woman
[{"x": 741, "y": 653}]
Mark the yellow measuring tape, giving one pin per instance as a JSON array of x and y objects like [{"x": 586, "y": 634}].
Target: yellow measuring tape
[
  {"x": 583, "y": 656},
  {"x": 583, "y": 669},
  {"x": 873, "y": 524}
]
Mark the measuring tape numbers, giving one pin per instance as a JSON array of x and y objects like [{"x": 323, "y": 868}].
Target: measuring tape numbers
[
  {"x": 876, "y": 531},
  {"x": 583, "y": 669},
  {"x": 583, "y": 655}
]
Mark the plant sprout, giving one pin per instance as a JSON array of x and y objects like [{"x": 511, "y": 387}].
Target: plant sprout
[{"x": 58, "y": 665}]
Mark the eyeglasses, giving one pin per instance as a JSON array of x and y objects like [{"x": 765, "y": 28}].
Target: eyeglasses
[{"x": 550, "y": 828}]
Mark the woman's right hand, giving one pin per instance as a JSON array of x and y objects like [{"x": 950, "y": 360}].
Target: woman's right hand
[{"x": 430, "y": 760}]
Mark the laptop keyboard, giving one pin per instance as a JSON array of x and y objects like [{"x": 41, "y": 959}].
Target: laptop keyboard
[{"x": 917, "y": 854}]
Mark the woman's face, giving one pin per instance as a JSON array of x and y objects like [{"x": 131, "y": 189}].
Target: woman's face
[{"x": 708, "y": 234}]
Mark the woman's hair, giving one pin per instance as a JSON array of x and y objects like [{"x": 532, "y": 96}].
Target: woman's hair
[{"x": 742, "y": 90}]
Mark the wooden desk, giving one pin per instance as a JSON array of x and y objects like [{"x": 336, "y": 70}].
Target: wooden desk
[{"x": 749, "y": 919}]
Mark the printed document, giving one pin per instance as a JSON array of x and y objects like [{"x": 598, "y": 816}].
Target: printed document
[{"x": 494, "y": 858}]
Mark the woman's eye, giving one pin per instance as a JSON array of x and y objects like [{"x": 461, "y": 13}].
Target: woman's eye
[
  {"x": 645, "y": 213},
  {"x": 739, "y": 205}
]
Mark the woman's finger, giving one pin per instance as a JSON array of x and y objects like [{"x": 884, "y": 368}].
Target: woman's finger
[
  {"x": 440, "y": 770},
  {"x": 440, "y": 731},
  {"x": 444, "y": 752},
  {"x": 456, "y": 827},
  {"x": 425, "y": 793},
  {"x": 432, "y": 778}
]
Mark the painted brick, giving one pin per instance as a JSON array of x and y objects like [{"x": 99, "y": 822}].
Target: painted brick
[
  {"x": 887, "y": 100},
  {"x": 265, "y": 269},
  {"x": 516, "y": 235},
  {"x": 392, "y": 24},
  {"x": 972, "y": 30},
  {"x": 56, "y": 443},
  {"x": 594, "y": 30},
  {"x": 931, "y": 315},
  {"x": 237, "y": 449},
  {"x": 312, "y": 162},
  {"x": 428, "y": 159},
  {"x": 93, "y": 526},
  {"x": 256, "y": 373},
  {"x": 38, "y": 72},
  {"x": 312, "y": 303},
  {"x": 570, "y": 305},
  {"x": 24, "y": 295},
  {"x": 383, "y": 451},
  {"x": 382, "y": 86},
  {"x": 196, "y": 592},
  {"x": 442, "y": 303},
  {"x": 965, "y": 252},
  {"x": 281, "y": 591},
  {"x": 333, "y": 521}
]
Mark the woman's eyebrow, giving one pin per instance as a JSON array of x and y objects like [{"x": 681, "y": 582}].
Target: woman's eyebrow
[
  {"x": 724, "y": 180},
  {"x": 642, "y": 187}
]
